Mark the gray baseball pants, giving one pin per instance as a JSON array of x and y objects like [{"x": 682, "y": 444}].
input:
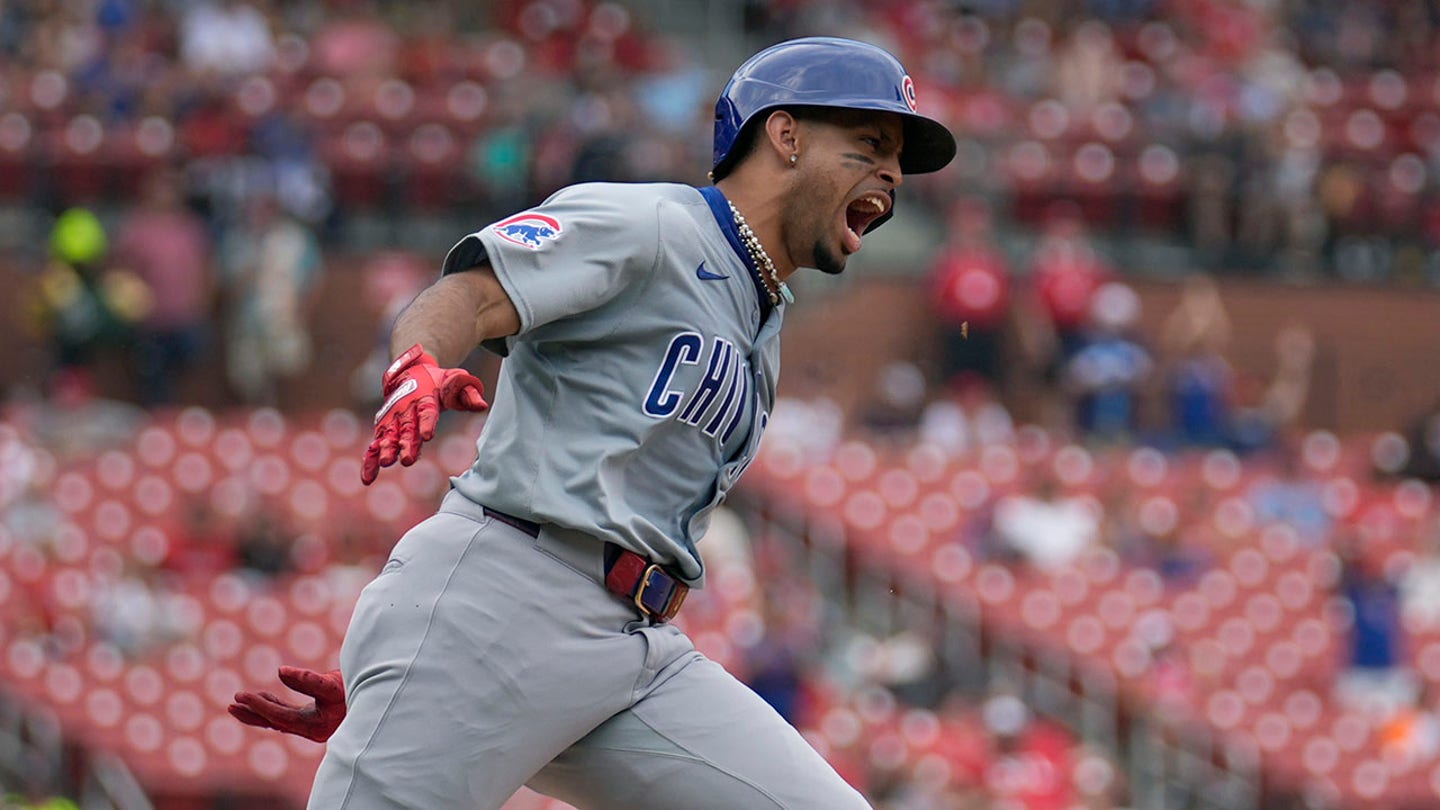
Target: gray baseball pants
[{"x": 482, "y": 659}]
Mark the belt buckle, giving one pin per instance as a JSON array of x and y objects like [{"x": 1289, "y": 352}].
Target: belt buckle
[{"x": 677, "y": 595}]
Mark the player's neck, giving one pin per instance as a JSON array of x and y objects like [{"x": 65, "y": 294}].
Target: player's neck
[{"x": 762, "y": 205}]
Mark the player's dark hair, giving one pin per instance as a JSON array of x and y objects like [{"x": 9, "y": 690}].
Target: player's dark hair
[{"x": 749, "y": 137}]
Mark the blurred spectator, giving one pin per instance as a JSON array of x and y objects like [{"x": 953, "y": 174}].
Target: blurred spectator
[
  {"x": 264, "y": 546},
  {"x": 1150, "y": 533},
  {"x": 1290, "y": 496},
  {"x": 1420, "y": 584},
  {"x": 1412, "y": 734},
  {"x": 895, "y": 408},
  {"x": 1423, "y": 437},
  {"x": 1279, "y": 223},
  {"x": 1087, "y": 67},
  {"x": 1043, "y": 527},
  {"x": 970, "y": 292},
  {"x": 166, "y": 245},
  {"x": 271, "y": 264},
  {"x": 202, "y": 544},
  {"x": 392, "y": 279},
  {"x": 1171, "y": 680},
  {"x": 1375, "y": 678},
  {"x": 500, "y": 157},
  {"x": 28, "y": 514},
  {"x": 225, "y": 37},
  {"x": 1260, "y": 424},
  {"x": 971, "y": 418},
  {"x": 1234, "y": 91},
  {"x": 1211, "y": 214},
  {"x": 1065, "y": 274},
  {"x": 776, "y": 665},
  {"x": 82, "y": 306},
  {"x": 1196, "y": 374},
  {"x": 357, "y": 45},
  {"x": 1109, "y": 370},
  {"x": 135, "y": 612},
  {"x": 815, "y": 425},
  {"x": 907, "y": 665},
  {"x": 1031, "y": 766}
]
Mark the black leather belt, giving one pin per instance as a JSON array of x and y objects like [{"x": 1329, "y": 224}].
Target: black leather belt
[
  {"x": 527, "y": 526},
  {"x": 657, "y": 593}
]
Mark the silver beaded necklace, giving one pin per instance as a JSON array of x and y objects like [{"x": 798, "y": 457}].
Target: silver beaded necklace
[{"x": 768, "y": 274}]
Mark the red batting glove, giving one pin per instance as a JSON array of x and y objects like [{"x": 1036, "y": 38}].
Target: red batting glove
[
  {"x": 316, "y": 721},
  {"x": 417, "y": 389}
]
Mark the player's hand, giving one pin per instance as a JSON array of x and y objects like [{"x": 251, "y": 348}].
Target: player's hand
[
  {"x": 314, "y": 721},
  {"x": 416, "y": 389}
]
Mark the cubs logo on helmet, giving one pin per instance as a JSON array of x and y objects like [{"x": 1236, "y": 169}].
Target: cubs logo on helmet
[{"x": 529, "y": 230}]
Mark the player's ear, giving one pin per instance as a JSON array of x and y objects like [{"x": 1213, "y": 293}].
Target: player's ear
[{"x": 782, "y": 130}]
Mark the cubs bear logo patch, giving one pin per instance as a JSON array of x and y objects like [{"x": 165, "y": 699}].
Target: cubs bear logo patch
[{"x": 529, "y": 230}]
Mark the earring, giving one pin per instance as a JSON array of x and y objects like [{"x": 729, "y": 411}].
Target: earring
[{"x": 793, "y": 158}]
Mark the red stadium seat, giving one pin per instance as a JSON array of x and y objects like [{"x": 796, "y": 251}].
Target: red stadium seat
[
  {"x": 155, "y": 447},
  {"x": 266, "y": 617},
  {"x": 184, "y": 710},
  {"x": 951, "y": 563},
  {"x": 1031, "y": 170},
  {"x": 260, "y": 662},
  {"x": 185, "y": 663},
  {"x": 824, "y": 487},
  {"x": 143, "y": 733},
  {"x": 267, "y": 759},
  {"x": 1041, "y": 609},
  {"x": 1159, "y": 183},
  {"x": 17, "y": 155},
  {"x": 360, "y": 160},
  {"x": 224, "y": 737},
  {"x": 309, "y": 451},
  {"x": 233, "y": 449},
  {"x": 143, "y": 685}
]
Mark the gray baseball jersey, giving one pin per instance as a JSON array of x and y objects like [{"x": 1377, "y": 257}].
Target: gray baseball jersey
[
  {"x": 642, "y": 377},
  {"x": 483, "y": 657}
]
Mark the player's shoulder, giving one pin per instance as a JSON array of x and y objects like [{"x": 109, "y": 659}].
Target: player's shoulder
[
  {"x": 641, "y": 210},
  {"x": 626, "y": 196}
]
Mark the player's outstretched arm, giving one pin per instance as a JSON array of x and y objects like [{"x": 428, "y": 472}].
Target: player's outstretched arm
[
  {"x": 455, "y": 314},
  {"x": 435, "y": 332},
  {"x": 314, "y": 721}
]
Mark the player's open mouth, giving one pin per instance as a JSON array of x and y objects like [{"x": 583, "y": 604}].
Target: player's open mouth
[{"x": 862, "y": 211}]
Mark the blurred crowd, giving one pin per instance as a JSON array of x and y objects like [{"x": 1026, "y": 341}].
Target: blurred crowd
[
  {"x": 1278, "y": 137},
  {"x": 1067, "y": 330},
  {"x": 196, "y": 159},
  {"x": 203, "y": 168},
  {"x": 1297, "y": 137}
]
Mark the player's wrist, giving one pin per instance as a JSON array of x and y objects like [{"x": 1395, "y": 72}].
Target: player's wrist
[{"x": 413, "y": 358}]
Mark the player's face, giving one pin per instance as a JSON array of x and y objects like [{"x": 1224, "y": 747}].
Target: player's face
[{"x": 847, "y": 174}]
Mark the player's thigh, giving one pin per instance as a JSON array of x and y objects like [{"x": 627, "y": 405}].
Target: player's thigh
[
  {"x": 702, "y": 741},
  {"x": 464, "y": 664}
]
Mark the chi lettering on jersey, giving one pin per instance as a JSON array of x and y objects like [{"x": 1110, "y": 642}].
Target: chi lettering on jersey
[{"x": 716, "y": 401}]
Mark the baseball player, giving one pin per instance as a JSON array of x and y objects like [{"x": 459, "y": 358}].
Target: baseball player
[{"x": 520, "y": 636}]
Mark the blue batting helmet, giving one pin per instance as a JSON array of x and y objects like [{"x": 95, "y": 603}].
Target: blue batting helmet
[{"x": 827, "y": 72}]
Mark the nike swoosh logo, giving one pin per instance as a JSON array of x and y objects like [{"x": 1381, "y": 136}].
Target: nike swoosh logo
[{"x": 705, "y": 275}]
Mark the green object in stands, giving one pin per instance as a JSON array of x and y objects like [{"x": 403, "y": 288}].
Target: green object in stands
[{"x": 78, "y": 237}]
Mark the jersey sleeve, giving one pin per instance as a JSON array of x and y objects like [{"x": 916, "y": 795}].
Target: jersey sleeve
[{"x": 575, "y": 252}]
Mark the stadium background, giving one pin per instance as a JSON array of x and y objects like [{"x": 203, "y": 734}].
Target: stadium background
[{"x": 1158, "y": 533}]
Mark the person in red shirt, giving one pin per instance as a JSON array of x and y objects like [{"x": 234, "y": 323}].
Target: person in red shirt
[
  {"x": 970, "y": 291},
  {"x": 1066, "y": 272},
  {"x": 167, "y": 246}
]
